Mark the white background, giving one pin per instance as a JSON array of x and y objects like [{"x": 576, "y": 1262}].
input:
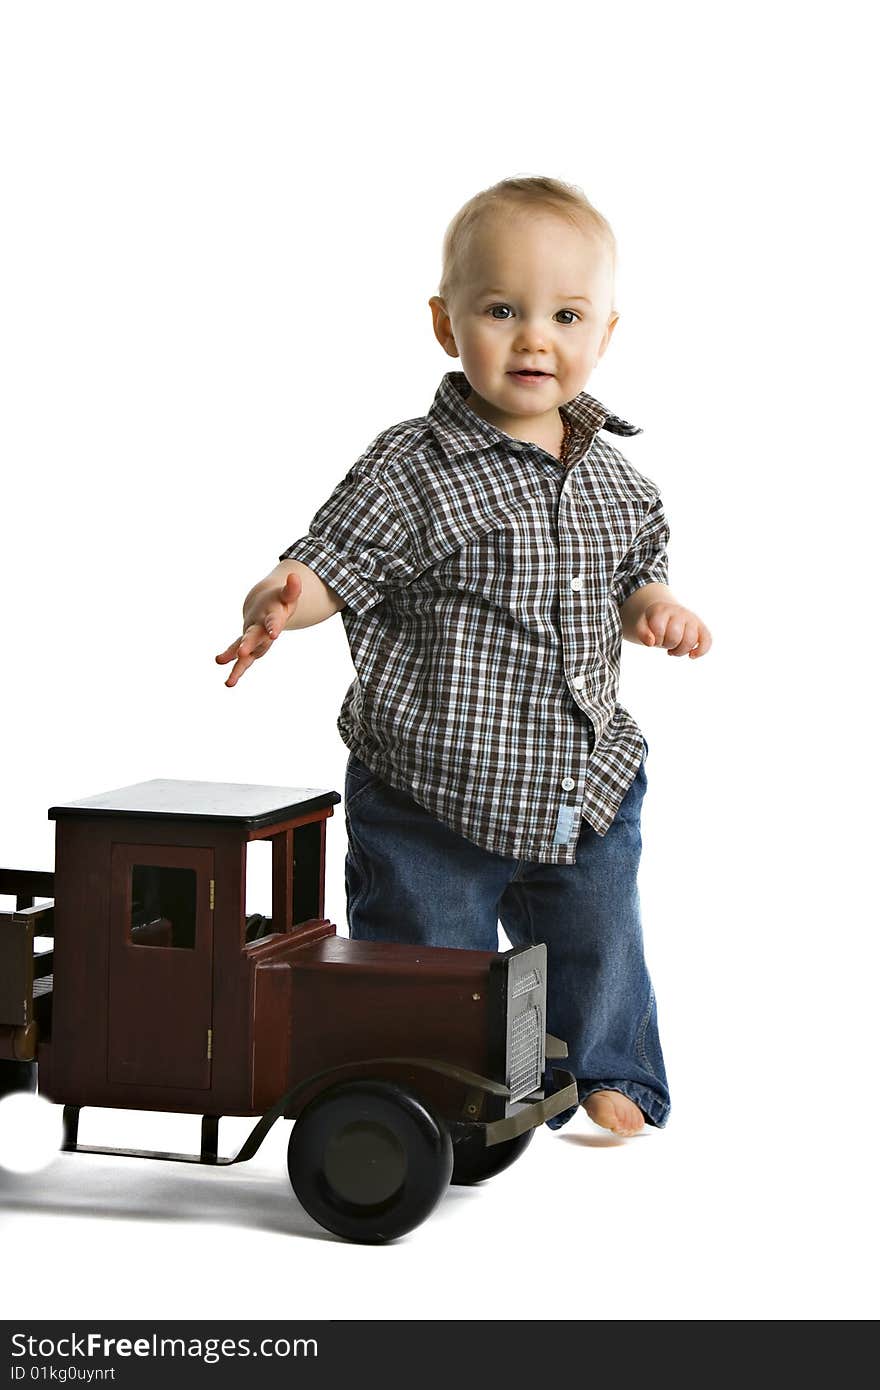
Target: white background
[{"x": 222, "y": 224}]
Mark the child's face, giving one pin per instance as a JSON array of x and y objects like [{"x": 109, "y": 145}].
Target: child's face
[{"x": 534, "y": 291}]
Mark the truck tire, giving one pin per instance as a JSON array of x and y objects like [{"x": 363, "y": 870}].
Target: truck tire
[
  {"x": 472, "y": 1161},
  {"x": 368, "y": 1160},
  {"x": 17, "y": 1076}
]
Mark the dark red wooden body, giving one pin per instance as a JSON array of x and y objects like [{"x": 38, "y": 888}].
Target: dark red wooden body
[{"x": 229, "y": 1026}]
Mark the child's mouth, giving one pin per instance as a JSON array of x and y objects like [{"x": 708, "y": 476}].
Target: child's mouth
[{"x": 530, "y": 376}]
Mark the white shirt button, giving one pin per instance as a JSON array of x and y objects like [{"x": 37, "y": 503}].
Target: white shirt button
[
  {"x": 516, "y": 445},
  {"x": 578, "y": 683},
  {"x": 577, "y": 583},
  {"x": 567, "y": 784}
]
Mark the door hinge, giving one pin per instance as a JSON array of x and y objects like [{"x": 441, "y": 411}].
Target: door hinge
[
  {"x": 210, "y": 1042},
  {"x": 211, "y": 903}
]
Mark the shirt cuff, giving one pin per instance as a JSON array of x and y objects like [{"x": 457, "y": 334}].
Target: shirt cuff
[
  {"x": 358, "y": 593},
  {"x": 657, "y": 573}
]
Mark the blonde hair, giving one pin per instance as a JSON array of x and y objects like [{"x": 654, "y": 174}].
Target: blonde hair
[{"x": 532, "y": 193}]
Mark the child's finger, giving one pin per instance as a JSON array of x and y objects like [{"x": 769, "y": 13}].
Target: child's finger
[
  {"x": 277, "y": 615},
  {"x": 688, "y": 638},
  {"x": 703, "y": 644},
  {"x": 244, "y": 651},
  {"x": 291, "y": 589},
  {"x": 230, "y": 653},
  {"x": 255, "y": 641},
  {"x": 238, "y": 670},
  {"x": 223, "y": 658},
  {"x": 646, "y": 633},
  {"x": 674, "y": 634},
  {"x": 274, "y": 619}
]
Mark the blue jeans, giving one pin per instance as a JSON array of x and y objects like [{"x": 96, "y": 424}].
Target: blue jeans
[{"x": 409, "y": 878}]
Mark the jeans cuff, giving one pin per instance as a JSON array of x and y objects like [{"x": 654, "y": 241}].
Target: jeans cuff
[{"x": 654, "y": 1109}]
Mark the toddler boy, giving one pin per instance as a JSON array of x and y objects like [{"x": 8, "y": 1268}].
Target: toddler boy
[{"x": 487, "y": 558}]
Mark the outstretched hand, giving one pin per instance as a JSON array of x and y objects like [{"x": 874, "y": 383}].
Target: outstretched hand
[
  {"x": 265, "y": 618},
  {"x": 669, "y": 625}
]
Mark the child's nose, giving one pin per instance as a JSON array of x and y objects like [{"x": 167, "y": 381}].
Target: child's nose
[{"x": 531, "y": 334}]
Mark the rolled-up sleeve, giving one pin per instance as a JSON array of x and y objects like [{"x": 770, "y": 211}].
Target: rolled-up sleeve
[
  {"x": 356, "y": 543},
  {"x": 646, "y": 562}
]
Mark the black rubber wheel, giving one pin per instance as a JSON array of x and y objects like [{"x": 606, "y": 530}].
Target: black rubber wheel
[
  {"x": 17, "y": 1076},
  {"x": 368, "y": 1160},
  {"x": 472, "y": 1161}
]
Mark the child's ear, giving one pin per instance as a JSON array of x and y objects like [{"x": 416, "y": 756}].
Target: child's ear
[
  {"x": 442, "y": 325},
  {"x": 606, "y": 337}
]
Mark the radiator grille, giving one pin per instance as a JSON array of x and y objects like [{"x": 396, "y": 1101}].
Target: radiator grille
[
  {"x": 517, "y": 1016},
  {"x": 525, "y": 1053},
  {"x": 526, "y": 1002}
]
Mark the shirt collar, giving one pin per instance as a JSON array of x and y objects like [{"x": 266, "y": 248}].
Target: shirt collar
[{"x": 459, "y": 430}]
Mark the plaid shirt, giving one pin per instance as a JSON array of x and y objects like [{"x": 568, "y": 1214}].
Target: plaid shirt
[{"x": 482, "y": 581}]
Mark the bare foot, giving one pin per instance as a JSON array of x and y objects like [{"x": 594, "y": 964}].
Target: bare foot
[{"x": 615, "y": 1111}]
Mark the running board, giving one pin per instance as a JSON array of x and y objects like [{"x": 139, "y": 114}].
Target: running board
[{"x": 208, "y": 1154}]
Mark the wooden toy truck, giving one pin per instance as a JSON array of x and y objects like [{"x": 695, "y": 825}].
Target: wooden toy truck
[{"x": 145, "y": 984}]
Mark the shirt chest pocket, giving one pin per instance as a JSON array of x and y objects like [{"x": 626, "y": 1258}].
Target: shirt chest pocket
[
  {"x": 599, "y": 534},
  {"x": 503, "y": 555}
]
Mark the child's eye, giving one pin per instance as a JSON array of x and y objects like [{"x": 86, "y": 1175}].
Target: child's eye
[
  {"x": 498, "y": 306},
  {"x": 573, "y": 316}
]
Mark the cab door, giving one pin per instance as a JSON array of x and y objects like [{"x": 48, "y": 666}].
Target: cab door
[{"x": 161, "y": 959}]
